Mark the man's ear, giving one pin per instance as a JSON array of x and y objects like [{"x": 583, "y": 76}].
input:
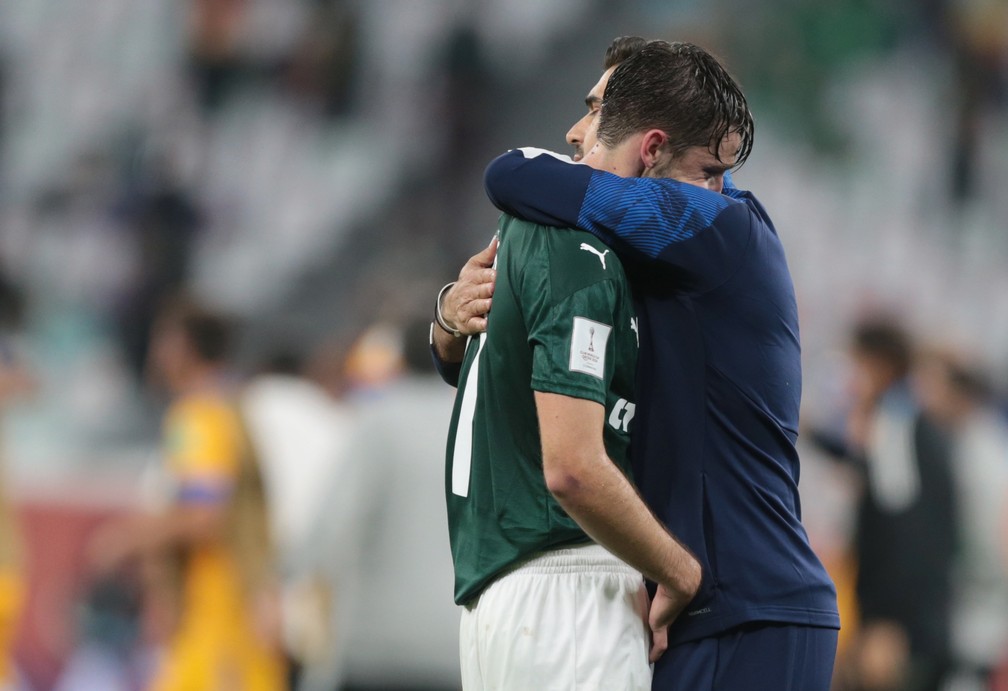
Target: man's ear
[{"x": 652, "y": 148}]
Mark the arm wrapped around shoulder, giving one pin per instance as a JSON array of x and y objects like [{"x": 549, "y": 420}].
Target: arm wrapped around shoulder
[{"x": 538, "y": 186}]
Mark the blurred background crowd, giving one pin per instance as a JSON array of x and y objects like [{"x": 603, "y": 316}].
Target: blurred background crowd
[{"x": 308, "y": 174}]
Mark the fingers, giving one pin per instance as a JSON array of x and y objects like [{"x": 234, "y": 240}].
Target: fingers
[
  {"x": 475, "y": 309},
  {"x": 659, "y": 644},
  {"x": 485, "y": 258},
  {"x": 467, "y": 303},
  {"x": 473, "y": 275},
  {"x": 662, "y": 612},
  {"x": 479, "y": 271},
  {"x": 485, "y": 288},
  {"x": 475, "y": 283},
  {"x": 491, "y": 251},
  {"x": 665, "y": 607},
  {"x": 471, "y": 316},
  {"x": 475, "y": 325},
  {"x": 464, "y": 308}
]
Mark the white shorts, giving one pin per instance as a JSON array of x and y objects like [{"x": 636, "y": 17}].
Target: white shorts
[{"x": 568, "y": 619}]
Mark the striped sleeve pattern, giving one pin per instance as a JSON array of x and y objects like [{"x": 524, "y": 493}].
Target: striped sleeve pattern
[{"x": 645, "y": 213}]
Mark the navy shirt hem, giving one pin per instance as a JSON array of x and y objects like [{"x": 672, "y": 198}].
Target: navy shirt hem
[{"x": 688, "y": 631}]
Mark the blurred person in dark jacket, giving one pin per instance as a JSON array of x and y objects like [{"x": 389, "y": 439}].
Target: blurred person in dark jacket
[
  {"x": 906, "y": 532},
  {"x": 959, "y": 395},
  {"x": 164, "y": 219}
]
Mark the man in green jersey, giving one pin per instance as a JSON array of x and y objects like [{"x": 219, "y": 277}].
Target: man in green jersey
[{"x": 549, "y": 537}]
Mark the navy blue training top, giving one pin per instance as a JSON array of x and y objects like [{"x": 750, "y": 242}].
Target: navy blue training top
[{"x": 719, "y": 378}]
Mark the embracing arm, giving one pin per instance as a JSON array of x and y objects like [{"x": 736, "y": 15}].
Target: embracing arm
[
  {"x": 645, "y": 219},
  {"x": 464, "y": 307},
  {"x": 596, "y": 494}
]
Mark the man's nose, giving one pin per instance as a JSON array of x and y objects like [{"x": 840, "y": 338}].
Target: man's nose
[{"x": 575, "y": 135}]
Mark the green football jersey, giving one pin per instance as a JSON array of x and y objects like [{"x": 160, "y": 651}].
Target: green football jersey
[{"x": 562, "y": 322}]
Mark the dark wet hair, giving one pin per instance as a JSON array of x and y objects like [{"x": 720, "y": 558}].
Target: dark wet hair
[
  {"x": 681, "y": 89},
  {"x": 621, "y": 48}
]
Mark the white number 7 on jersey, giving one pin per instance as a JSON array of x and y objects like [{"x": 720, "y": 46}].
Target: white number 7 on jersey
[{"x": 462, "y": 454}]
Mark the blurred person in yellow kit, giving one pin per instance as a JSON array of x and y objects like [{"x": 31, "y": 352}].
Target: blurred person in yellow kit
[
  {"x": 15, "y": 382},
  {"x": 226, "y": 635}
]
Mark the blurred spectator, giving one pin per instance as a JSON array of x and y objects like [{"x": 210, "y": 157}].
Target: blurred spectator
[
  {"x": 323, "y": 68},
  {"x": 906, "y": 522},
  {"x": 375, "y": 360},
  {"x": 4, "y": 77},
  {"x": 957, "y": 394},
  {"x": 215, "y": 34},
  {"x": 466, "y": 89},
  {"x": 15, "y": 382},
  {"x": 979, "y": 49},
  {"x": 110, "y": 651},
  {"x": 386, "y": 538},
  {"x": 225, "y": 637},
  {"x": 78, "y": 256},
  {"x": 463, "y": 90},
  {"x": 300, "y": 432},
  {"x": 164, "y": 220}
]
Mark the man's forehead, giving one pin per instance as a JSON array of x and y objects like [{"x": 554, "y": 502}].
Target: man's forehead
[
  {"x": 598, "y": 90},
  {"x": 703, "y": 156},
  {"x": 729, "y": 147}
]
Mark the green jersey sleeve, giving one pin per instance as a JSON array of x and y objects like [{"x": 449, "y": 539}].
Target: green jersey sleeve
[
  {"x": 573, "y": 347},
  {"x": 573, "y": 309}
]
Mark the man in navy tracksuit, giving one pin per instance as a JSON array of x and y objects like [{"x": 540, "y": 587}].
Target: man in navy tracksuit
[{"x": 719, "y": 375}]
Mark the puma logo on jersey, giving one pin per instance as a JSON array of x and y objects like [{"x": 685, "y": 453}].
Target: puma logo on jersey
[{"x": 601, "y": 255}]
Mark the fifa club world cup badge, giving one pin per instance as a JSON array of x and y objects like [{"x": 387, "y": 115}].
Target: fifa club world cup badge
[{"x": 586, "y": 354}]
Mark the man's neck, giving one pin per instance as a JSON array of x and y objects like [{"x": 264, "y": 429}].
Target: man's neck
[{"x": 623, "y": 160}]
